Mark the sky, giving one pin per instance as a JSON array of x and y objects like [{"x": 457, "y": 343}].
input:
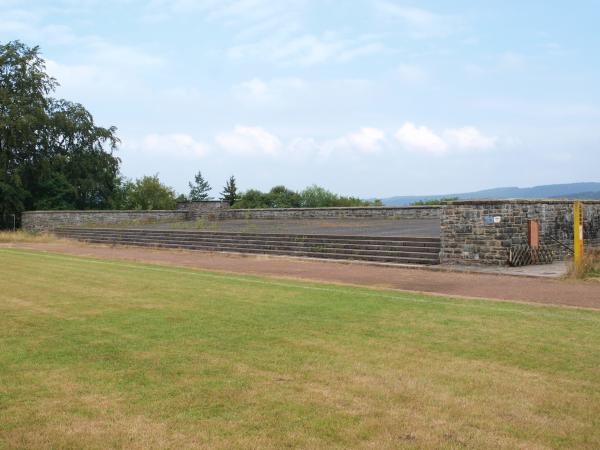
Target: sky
[{"x": 372, "y": 98}]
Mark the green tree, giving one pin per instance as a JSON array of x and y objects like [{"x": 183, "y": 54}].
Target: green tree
[
  {"x": 120, "y": 194},
  {"x": 252, "y": 199},
  {"x": 282, "y": 197},
  {"x": 317, "y": 197},
  {"x": 52, "y": 155},
  {"x": 230, "y": 192},
  {"x": 199, "y": 189},
  {"x": 311, "y": 197},
  {"x": 148, "y": 193}
]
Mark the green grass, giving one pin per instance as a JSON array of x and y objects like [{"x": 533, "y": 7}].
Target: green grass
[{"x": 103, "y": 354}]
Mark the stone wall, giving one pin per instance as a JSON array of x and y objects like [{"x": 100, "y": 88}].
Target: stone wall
[
  {"x": 484, "y": 231},
  {"x": 407, "y": 212},
  {"x": 202, "y": 208},
  {"x": 49, "y": 220},
  {"x": 481, "y": 232}
]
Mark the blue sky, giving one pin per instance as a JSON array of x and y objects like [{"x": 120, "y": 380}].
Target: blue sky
[{"x": 365, "y": 97}]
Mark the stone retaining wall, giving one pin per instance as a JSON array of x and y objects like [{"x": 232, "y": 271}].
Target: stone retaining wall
[
  {"x": 483, "y": 232},
  {"x": 49, "y": 220},
  {"x": 480, "y": 232},
  {"x": 407, "y": 212},
  {"x": 198, "y": 209}
]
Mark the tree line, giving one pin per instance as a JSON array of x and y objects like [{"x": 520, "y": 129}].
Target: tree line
[
  {"x": 53, "y": 156},
  {"x": 149, "y": 192}
]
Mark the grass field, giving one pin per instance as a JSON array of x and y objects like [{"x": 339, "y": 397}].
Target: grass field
[{"x": 100, "y": 354}]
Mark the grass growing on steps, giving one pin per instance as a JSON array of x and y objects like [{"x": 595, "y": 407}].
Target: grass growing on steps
[
  {"x": 24, "y": 236},
  {"x": 97, "y": 354}
]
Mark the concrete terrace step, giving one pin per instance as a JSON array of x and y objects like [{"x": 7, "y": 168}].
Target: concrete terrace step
[
  {"x": 362, "y": 245},
  {"x": 365, "y": 248},
  {"x": 307, "y": 254},
  {"x": 201, "y": 236},
  {"x": 329, "y": 237},
  {"x": 257, "y": 247}
]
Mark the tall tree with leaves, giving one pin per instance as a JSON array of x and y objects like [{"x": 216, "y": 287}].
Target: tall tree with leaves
[
  {"x": 230, "y": 192},
  {"x": 199, "y": 189},
  {"x": 148, "y": 193},
  {"x": 52, "y": 155}
]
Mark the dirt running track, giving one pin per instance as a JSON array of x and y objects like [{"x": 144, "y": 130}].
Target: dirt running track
[{"x": 537, "y": 290}]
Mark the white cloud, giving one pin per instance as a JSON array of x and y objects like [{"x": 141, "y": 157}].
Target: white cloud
[
  {"x": 102, "y": 68},
  {"x": 365, "y": 140},
  {"x": 180, "y": 95},
  {"x": 95, "y": 81},
  {"x": 245, "y": 18},
  {"x": 300, "y": 147},
  {"x": 496, "y": 65},
  {"x": 421, "y": 23},
  {"x": 178, "y": 145},
  {"x": 510, "y": 61},
  {"x": 28, "y": 25},
  {"x": 423, "y": 139},
  {"x": 256, "y": 141},
  {"x": 469, "y": 138},
  {"x": 120, "y": 56},
  {"x": 278, "y": 91},
  {"x": 306, "y": 49},
  {"x": 420, "y": 139},
  {"x": 559, "y": 157},
  {"x": 254, "y": 88},
  {"x": 249, "y": 141},
  {"x": 73, "y": 76},
  {"x": 360, "y": 51},
  {"x": 272, "y": 31},
  {"x": 412, "y": 74}
]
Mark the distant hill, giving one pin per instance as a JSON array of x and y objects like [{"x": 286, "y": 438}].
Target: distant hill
[
  {"x": 582, "y": 196},
  {"x": 568, "y": 191}
]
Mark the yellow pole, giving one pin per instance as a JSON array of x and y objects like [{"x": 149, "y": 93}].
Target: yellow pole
[{"x": 578, "y": 229}]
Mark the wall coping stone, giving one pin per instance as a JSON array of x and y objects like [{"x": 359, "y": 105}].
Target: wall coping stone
[
  {"x": 129, "y": 211},
  {"x": 104, "y": 211},
  {"x": 201, "y": 201},
  {"x": 526, "y": 201},
  {"x": 342, "y": 208}
]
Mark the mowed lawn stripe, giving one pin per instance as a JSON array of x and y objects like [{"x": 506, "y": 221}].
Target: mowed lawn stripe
[
  {"x": 317, "y": 286},
  {"x": 99, "y": 353}
]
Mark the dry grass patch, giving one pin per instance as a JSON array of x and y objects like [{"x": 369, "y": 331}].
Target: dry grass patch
[
  {"x": 97, "y": 354},
  {"x": 590, "y": 269},
  {"x": 24, "y": 236}
]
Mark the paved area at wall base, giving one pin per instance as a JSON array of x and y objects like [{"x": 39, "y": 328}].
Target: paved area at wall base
[
  {"x": 557, "y": 269},
  {"x": 481, "y": 285},
  {"x": 358, "y": 227}
]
